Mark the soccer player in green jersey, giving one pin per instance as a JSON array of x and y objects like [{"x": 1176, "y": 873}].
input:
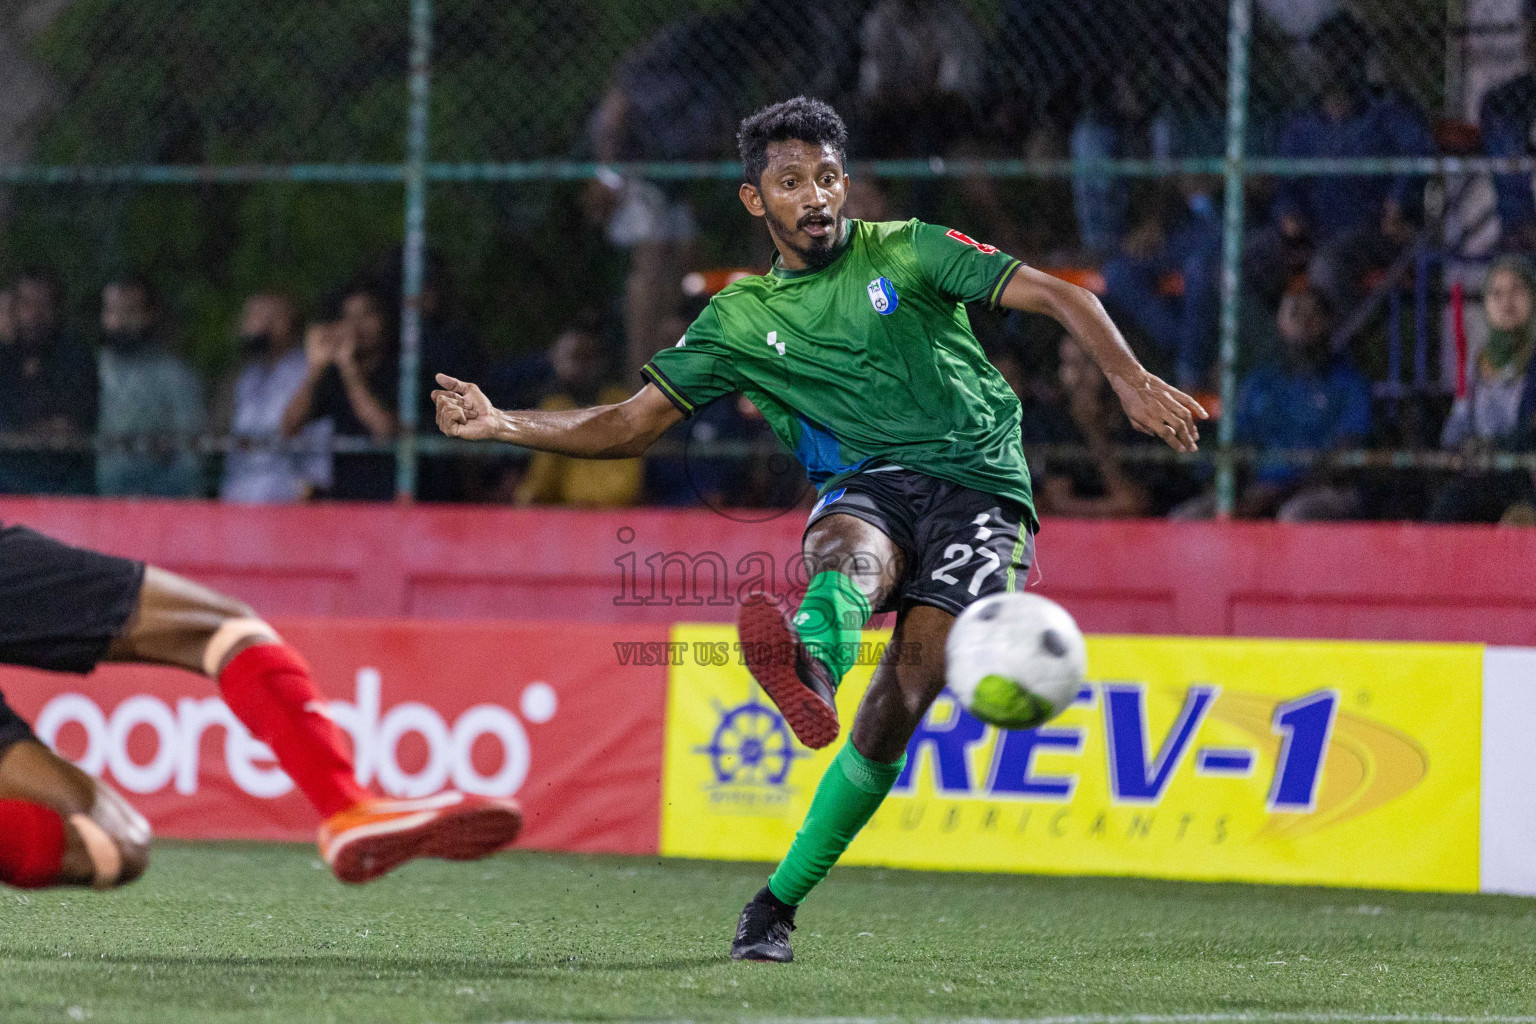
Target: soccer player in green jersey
[{"x": 857, "y": 349}]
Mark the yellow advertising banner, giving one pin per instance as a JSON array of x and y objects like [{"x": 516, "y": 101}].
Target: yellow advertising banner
[{"x": 1316, "y": 762}]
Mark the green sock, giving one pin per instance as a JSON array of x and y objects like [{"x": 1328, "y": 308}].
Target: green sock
[
  {"x": 830, "y": 620},
  {"x": 845, "y": 800}
]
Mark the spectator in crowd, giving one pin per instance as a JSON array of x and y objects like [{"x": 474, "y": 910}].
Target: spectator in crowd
[
  {"x": 1499, "y": 409},
  {"x": 867, "y": 200},
  {"x": 1308, "y": 400},
  {"x": 1117, "y": 79},
  {"x": 351, "y": 382},
  {"x": 272, "y": 370},
  {"x": 581, "y": 379},
  {"x": 7, "y": 316},
  {"x": 520, "y": 380},
  {"x": 151, "y": 400},
  {"x": 1166, "y": 280},
  {"x": 798, "y": 47},
  {"x": 662, "y": 104},
  {"x": 920, "y": 78},
  {"x": 1010, "y": 366},
  {"x": 1043, "y": 417},
  {"x": 1296, "y": 20},
  {"x": 1350, "y": 224},
  {"x": 700, "y": 472},
  {"x": 1053, "y": 57},
  {"x": 767, "y": 478},
  {"x": 1098, "y": 488},
  {"x": 1106, "y": 130},
  {"x": 1508, "y": 123},
  {"x": 705, "y": 472},
  {"x": 39, "y": 363},
  {"x": 923, "y": 92},
  {"x": 447, "y": 346}
]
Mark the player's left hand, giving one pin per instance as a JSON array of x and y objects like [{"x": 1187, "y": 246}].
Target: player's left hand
[{"x": 1158, "y": 408}]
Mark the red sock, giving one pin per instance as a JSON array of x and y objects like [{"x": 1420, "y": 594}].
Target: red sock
[
  {"x": 32, "y": 852},
  {"x": 268, "y": 687}
]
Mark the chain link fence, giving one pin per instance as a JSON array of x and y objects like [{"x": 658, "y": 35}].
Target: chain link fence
[{"x": 573, "y": 162}]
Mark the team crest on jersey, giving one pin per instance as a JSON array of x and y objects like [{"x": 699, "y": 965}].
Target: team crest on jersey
[{"x": 882, "y": 295}]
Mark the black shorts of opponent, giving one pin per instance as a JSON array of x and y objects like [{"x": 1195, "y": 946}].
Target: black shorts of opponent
[
  {"x": 13, "y": 728},
  {"x": 60, "y": 606},
  {"x": 959, "y": 544}
]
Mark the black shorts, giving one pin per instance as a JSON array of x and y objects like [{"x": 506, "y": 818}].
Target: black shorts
[
  {"x": 60, "y": 606},
  {"x": 13, "y": 728},
  {"x": 959, "y": 544}
]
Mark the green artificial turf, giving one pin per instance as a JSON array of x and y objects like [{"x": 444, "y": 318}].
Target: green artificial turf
[{"x": 258, "y": 932}]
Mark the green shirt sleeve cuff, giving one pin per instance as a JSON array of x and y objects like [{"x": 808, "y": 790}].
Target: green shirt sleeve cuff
[
  {"x": 674, "y": 395},
  {"x": 995, "y": 295}
]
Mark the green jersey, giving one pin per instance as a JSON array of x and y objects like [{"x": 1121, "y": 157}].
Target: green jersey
[{"x": 869, "y": 360}]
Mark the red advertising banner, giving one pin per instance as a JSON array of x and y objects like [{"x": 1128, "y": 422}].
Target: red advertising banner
[{"x": 554, "y": 714}]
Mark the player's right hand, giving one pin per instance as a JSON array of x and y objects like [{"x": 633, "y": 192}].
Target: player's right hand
[{"x": 463, "y": 410}]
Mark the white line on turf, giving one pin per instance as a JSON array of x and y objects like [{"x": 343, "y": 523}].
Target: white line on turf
[
  {"x": 1146, "y": 1018},
  {"x": 1259, "y": 1017}
]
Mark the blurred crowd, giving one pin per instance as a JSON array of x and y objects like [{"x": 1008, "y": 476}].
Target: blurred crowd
[
  {"x": 312, "y": 404},
  {"x": 118, "y": 410}
]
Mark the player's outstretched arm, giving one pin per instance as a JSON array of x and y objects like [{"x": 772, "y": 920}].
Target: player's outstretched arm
[
  {"x": 620, "y": 431},
  {"x": 1153, "y": 406}
]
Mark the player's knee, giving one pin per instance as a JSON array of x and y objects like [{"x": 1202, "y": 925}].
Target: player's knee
[
  {"x": 233, "y": 634},
  {"x": 829, "y": 550},
  {"x": 865, "y": 568},
  {"x": 855, "y": 549}
]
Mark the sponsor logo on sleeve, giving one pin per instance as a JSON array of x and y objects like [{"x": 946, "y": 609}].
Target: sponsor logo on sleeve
[{"x": 986, "y": 250}]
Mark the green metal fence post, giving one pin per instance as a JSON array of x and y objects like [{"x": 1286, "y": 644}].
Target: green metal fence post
[
  {"x": 1239, "y": 39},
  {"x": 415, "y": 243}
]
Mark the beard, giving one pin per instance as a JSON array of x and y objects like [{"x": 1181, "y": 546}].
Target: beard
[{"x": 820, "y": 253}]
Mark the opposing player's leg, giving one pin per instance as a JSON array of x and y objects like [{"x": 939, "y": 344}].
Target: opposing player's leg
[
  {"x": 66, "y": 609},
  {"x": 268, "y": 686},
  {"x": 58, "y": 826},
  {"x": 264, "y": 681},
  {"x": 800, "y": 659}
]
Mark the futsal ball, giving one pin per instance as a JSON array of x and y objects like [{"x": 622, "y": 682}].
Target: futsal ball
[{"x": 1015, "y": 660}]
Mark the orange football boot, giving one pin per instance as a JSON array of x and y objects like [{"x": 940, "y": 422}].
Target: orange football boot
[{"x": 377, "y": 836}]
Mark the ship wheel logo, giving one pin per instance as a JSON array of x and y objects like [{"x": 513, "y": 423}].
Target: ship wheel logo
[{"x": 751, "y": 746}]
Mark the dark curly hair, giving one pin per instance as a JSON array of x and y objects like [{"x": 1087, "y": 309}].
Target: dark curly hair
[{"x": 802, "y": 119}]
